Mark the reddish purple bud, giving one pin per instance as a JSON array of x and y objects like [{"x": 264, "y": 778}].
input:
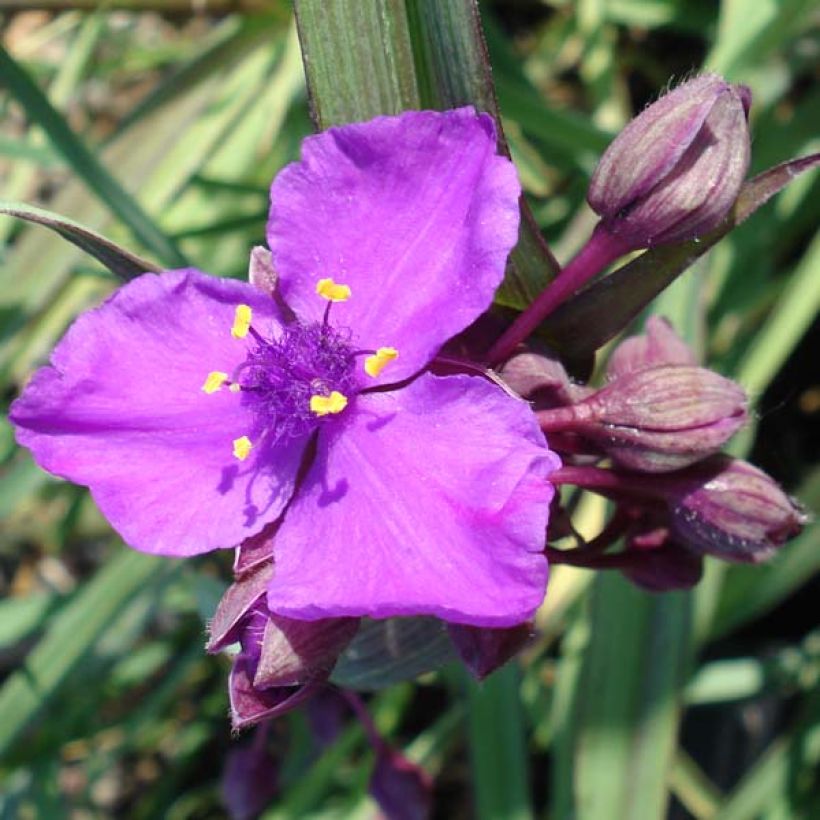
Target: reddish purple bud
[
  {"x": 250, "y": 705},
  {"x": 249, "y": 780},
  {"x": 403, "y": 790},
  {"x": 658, "y": 563},
  {"x": 484, "y": 650},
  {"x": 658, "y": 419},
  {"x": 236, "y": 607},
  {"x": 675, "y": 171},
  {"x": 542, "y": 380},
  {"x": 726, "y": 507},
  {"x": 281, "y": 661},
  {"x": 659, "y": 345},
  {"x": 295, "y": 652}
]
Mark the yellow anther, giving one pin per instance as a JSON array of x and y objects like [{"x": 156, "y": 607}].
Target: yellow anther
[
  {"x": 215, "y": 380},
  {"x": 242, "y": 447},
  {"x": 241, "y": 321},
  {"x": 328, "y": 289},
  {"x": 373, "y": 365},
  {"x": 325, "y": 405}
]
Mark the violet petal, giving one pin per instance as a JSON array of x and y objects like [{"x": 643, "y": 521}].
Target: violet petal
[
  {"x": 121, "y": 409},
  {"x": 389, "y": 523},
  {"x": 408, "y": 211}
]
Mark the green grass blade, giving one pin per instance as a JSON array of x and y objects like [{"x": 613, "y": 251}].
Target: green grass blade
[
  {"x": 498, "y": 750},
  {"x": 70, "y": 636},
  {"x": 84, "y": 163},
  {"x": 629, "y": 697},
  {"x": 119, "y": 261},
  {"x": 369, "y": 57}
]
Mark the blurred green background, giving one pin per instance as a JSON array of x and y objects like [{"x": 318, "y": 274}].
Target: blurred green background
[{"x": 164, "y": 123}]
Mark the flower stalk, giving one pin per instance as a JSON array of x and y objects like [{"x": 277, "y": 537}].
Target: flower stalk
[{"x": 600, "y": 251}]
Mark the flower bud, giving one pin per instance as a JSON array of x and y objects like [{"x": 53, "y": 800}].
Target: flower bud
[
  {"x": 483, "y": 650},
  {"x": 542, "y": 380},
  {"x": 661, "y": 418},
  {"x": 659, "y": 345},
  {"x": 281, "y": 661},
  {"x": 675, "y": 171},
  {"x": 665, "y": 568},
  {"x": 658, "y": 564},
  {"x": 726, "y": 507},
  {"x": 401, "y": 788}
]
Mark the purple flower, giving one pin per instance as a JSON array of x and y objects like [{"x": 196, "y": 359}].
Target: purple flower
[{"x": 200, "y": 410}]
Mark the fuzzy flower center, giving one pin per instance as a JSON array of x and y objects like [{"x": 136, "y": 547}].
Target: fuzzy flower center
[
  {"x": 297, "y": 380},
  {"x": 294, "y": 381}
]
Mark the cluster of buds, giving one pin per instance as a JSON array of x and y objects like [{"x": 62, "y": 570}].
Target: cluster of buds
[{"x": 661, "y": 421}]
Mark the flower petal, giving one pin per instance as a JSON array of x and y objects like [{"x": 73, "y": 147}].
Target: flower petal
[
  {"x": 416, "y": 213},
  {"x": 432, "y": 500},
  {"x": 121, "y": 409}
]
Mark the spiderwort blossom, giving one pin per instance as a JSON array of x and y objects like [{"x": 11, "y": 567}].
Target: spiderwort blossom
[{"x": 200, "y": 410}]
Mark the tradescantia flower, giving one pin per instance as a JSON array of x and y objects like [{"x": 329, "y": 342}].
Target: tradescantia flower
[{"x": 200, "y": 410}]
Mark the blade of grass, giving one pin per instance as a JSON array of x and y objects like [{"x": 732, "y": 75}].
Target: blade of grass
[
  {"x": 119, "y": 261},
  {"x": 498, "y": 750},
  {"x": 84, "y": 163},
  {"x": 369, "y": 57},
  {"x": 70, "y": 635}
]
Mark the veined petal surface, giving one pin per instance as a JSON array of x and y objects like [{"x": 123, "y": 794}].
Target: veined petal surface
[
  {"x": 121, "y": 409},
  {"x": 416, "y": 213},
  {"x": 432, "y": 499}
]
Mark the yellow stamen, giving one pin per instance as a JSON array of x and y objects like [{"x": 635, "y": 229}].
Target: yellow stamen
[
  {"x": 373, "y": 365},
  {"x": 325, "y": 405},
  {"x": 215, "y": 380},
  {"x": 241, "y": 321},
  {"x": 242, "y": 447},
  {"x": 235, "y": 388},
  {"x": 328, "y": 289}
]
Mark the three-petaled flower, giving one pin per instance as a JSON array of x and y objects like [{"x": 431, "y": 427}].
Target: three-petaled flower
[{"x": 201, "y": 410}]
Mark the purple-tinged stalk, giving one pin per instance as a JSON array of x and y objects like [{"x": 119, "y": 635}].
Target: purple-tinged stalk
[
  {"x": 600, "y": 251},
  {"x": 402, "y": 788},
  {"x": 720, "y": 506}
]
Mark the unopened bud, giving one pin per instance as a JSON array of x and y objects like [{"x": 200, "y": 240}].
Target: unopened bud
[
  {"x": 728, "y": 508},
  {"x": 666, "y": 568},
  {"x": 483, "y": 650},
  {"x": 658, "y": 345},
  {"x": 675, "y": 171},
  {"x": 294, "y": 652},
  {"x": 542, "y": 380},
  {"x": 662, "y": 418},
  {"x": 281, "y": 661},
  {"x": 658, "y": 564}
]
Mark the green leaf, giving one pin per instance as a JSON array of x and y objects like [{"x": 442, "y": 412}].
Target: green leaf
[
  {"x": 119, "y": 261},
  {"x": 397, "y": 649},
  {"x": 628, "y": 705},
  {"x": 588, "y": 321},
  {"x": 498, "y": 749},
  {"x": 84, "y": 163}
]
